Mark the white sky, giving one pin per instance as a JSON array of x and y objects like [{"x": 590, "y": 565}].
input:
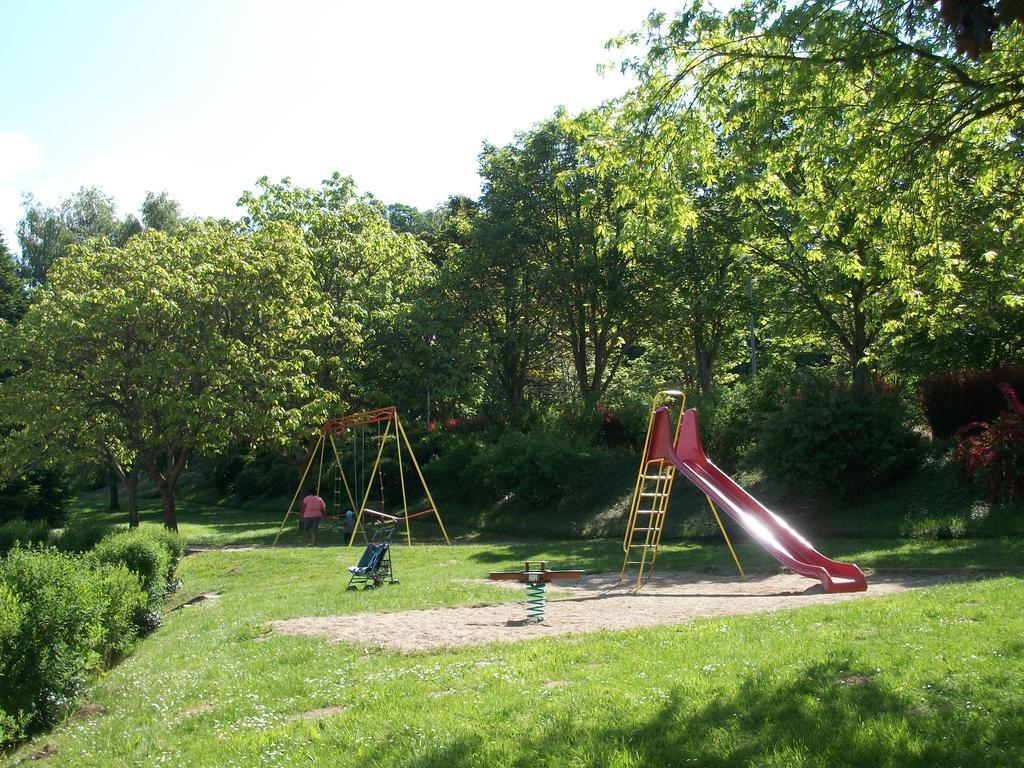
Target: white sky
[{"x": 201, "y": 98}]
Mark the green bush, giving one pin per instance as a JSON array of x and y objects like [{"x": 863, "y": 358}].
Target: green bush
[
  {"x": 840, "y": 442},
  {"x": 126, "y": 602},
  {"x": 12, "y": 615},
  {"x": 59, "y": 621},
  {"x": 23, "y": 531},
  {"x": 172, "y": 543},
  {"x": 540, "y": 467},
  {"x": 142, "y": 555},
  {"x": 83, "y": 535}
]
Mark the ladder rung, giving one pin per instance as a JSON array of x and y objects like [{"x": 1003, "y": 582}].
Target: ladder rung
[
  {"x": 656, "y": 477},
  {"x": 645, "y": 529},
  {"x": 656, "y": 495},
  {"x": 647, "y": 512}
]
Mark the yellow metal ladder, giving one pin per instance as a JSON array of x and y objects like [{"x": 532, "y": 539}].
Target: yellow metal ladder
[
  {"x": 650, "y": 502},
  {"x": 647, "y": 518}
]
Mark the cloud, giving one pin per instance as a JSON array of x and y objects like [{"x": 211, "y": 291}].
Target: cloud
[{"x": 18, "y": 153}]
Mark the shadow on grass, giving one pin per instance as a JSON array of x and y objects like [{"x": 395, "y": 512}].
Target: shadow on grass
[{"x": 834, "y": 713}]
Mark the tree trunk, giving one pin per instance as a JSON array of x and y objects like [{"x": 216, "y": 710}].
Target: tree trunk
[
  {"x": 859, "y": 347},
  {"x": 167, "y": 482},
  {"x": 115, "y": 497},
  {"x": 167, "y": 497},
  {"x": 131, "y": 484}
]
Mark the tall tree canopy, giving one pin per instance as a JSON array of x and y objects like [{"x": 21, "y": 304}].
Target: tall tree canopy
[
  {"x": 170, "y": 345},
  {"x": 558, "y": 224},
  {"x": 45, "y": 233},
  {"x": 364, "y": 271},
  {"x": 13, "y": 299},
  {"x": 856, "y": 137}
]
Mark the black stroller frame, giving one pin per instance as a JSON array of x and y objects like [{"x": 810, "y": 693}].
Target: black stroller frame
[{"x": 374, "y": 566}]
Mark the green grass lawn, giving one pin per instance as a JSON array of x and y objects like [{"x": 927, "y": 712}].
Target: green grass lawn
[{"x": 932, "y": 676}]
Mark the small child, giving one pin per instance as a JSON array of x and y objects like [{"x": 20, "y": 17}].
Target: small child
[
  {"x": 350, "y": 524},
  {"x": 312, "y": 510}
]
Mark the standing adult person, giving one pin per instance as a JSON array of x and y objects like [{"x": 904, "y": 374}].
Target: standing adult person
[{"x": 312, "y": 511}]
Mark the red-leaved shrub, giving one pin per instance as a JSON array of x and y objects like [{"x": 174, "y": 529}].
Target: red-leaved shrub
[
  {"x": 957, "y": 399},
  {"x": 994, "y": 452}
]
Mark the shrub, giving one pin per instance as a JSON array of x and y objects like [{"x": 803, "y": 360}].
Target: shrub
[
  {"x": 731, "y": 416},
  {"x": 59, "y": 620},
  {"x": 221, "y": 469},
  {"x": 23, "y": 531},
  {"x": 172, "y": 543},
  {"x": 539, "y": 467},
  {"x": 840, "y": 442},
  {"x": 142, "y": 555},
  {"x": 83, "y": 535},
  {"x": 126, "y": 602},
  {"x": 12, "y": 615},
  {"x": 994, "y": 452},
  {"x": 953, "y": 400}
]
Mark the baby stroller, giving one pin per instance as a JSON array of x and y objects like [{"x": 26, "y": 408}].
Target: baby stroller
[{"x": 375, "y": 564}]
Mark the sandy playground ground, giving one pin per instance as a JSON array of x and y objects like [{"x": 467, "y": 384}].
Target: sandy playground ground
[{"x": 596, "y": 602}]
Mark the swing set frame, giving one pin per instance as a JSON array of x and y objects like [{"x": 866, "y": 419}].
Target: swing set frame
[{"x": 336, "y": 428}]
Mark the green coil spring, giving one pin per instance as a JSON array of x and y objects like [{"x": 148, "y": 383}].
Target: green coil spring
[{"x": 535, "y": 601}]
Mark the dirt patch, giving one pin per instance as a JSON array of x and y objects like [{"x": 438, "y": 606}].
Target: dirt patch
[
  {"x": 197, "y": 600},
  {"x": 197, "y": 710},
  {"x": 595, "y": 603},
  {"x": 87, "y": 711},
  {"x": 316, "y": 714},
  {"x": 855, "y": 680},
  {"x": 44, "y": 752}
]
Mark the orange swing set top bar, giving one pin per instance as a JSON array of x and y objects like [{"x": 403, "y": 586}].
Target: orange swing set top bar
[
  {"x": 340, "y": 425},
  {"x": 336, "y": 428}
]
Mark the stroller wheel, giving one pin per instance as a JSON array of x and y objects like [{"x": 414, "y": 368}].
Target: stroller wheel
[
  {"x": 351, "y": 588},
  {"x": 394, "y": 581},
  {"x": 369, "y": 585}
]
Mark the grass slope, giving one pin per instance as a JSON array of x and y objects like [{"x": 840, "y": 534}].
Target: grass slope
[
  {"x": 917, "y": 679},
  {"x": 932, "y": 503}
]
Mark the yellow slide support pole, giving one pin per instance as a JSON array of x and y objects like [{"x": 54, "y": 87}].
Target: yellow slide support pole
[
  {"x": 302, "y": 481},
  {"x": 419, "y": 472},
  {"x": 721, "y": 527},
  {"x": 369, "y": 483}
]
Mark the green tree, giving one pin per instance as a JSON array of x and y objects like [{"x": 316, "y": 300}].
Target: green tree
[
  {"x": 431, "y": 356},
  {"x": 850, "y": 138},
  {"x": 171, "y": 345},
  {"x": 45, "y": 233},
  {"x": 562, "y": 211},
  {"x": 13, "y": 299},
  {"x": 161, "y": 212},
  {"x": 365, "y": 272}
]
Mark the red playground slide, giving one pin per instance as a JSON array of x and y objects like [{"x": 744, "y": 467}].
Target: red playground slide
[{"x": 768, "y": 529}]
